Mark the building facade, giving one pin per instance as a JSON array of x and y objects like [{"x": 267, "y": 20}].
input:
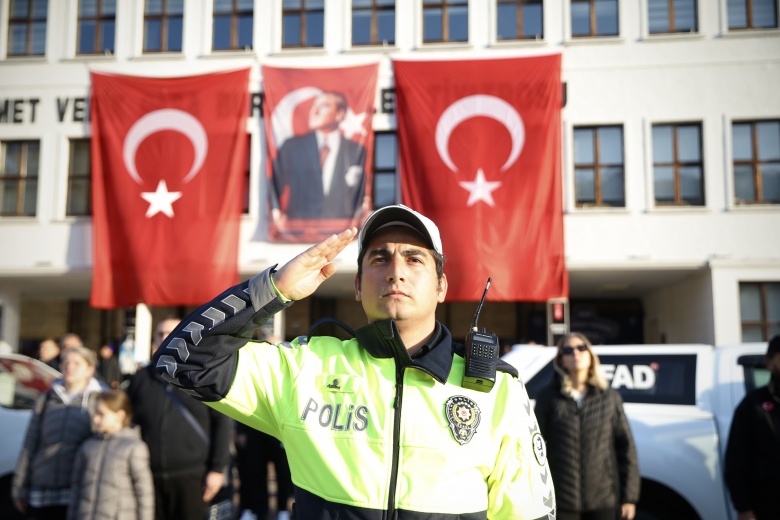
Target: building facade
[{"x": 671, "y": 150}]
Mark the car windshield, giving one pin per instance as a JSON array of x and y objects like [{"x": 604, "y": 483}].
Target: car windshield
[{"x": 22, "y": 380}]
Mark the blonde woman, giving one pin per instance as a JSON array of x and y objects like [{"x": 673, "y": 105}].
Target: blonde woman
[{"x": 590, "y": 448}]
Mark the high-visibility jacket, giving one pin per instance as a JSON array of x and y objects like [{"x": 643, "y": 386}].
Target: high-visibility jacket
[{"x": 369, "y": 432}]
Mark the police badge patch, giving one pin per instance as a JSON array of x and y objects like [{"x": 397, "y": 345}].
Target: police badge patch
[{"x": 463, "y": 415}]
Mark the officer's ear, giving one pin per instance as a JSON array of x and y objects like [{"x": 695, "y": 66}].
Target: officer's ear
[{"x": 357, "y": 288}]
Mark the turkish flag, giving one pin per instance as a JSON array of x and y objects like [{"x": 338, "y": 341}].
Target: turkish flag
[
  {"x": 320, "y": 141},
  {"x": 168, "y": 165},
  {"x": 480, "y": 154}
]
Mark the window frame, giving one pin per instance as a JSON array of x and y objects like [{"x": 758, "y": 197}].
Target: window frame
[
  {"x": 303, "y": 13},
  {"x": 598, "y": 165},
  {"x": 165, "y": 18},
  {"x": 519, "y": 5},
  {"x": 764, "y": 324},
  {"x": 755, "y": 163},
  {"x": 74, "y": 177},
  {"x": 593, "y": 19},
  {"x": 671, "y": 21},
  {"x": 677, "y": 164},
  {"x": 235, "y": 15},
  {"x": 100, "y": 20},
  {"x": 21, "y": 178},
  {"x": 749, "y": 15},
  {"x": 28, "y": 22},
  {"x": 375, "y": 9},
  {"x": 444, "y": 6}
]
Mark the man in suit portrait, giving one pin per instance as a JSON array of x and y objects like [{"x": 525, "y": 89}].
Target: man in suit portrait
[{"x": 320, "y": 174}]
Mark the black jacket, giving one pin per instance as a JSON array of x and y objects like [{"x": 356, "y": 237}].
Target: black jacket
[
  {"x": 590, "y": 448},
  {"x": 753, "y": 452},
  {"x": 174, "y": 447}
]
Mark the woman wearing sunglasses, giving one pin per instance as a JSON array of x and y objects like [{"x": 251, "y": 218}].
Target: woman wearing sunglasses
[{"x": 589, "y": 444}]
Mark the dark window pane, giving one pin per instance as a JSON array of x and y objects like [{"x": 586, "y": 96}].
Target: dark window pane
[
  {"x": 385, "y": 155},
  {"x": 315, "y": 4},
  {"x": 764, "y": 14},
  {"x": 773, "y": 301},
  {"x": 689, "y": 144},
  {"x": 40, "y": 8},
  {"x": 611, "y": 145},
  {"x": 153, "y": 35},
  {"x": 30, "y": 197},
  {"x": 663, "y": 149},
  {"x": 658, "y": 15},
  {"x": 432, "y": 25},
  {"x": 221, "y": 32},
  {"x": 606, "y": 17},
  {"x": 384, "y": 189},
  {"x": 585, "y": 185},
  {"x": 108, "y": 36},
  {"x": 223, "y": 6},
  {"x": 18, "y": 38},
  {"x": 88, "y": 7},
  {"x": 245, "y": 29},
  {"x": 532, "y": 21},
  {"x": 38, "y": 38},
  {"x": 584, "y": 147},
  {"x": 744, "y": 184},
  {"x": 742, "y": 142},
  {"x": 86, "y": 37},
  {"x": 458, "y": 24},
  {"x": 19, "y": 8},
  {"x": 386, "y": 26},
  {"x": 291, "y": 30},
  {"x": 768, "y": 141},
  {"x": 109, "y": 7},
  {"x": 685, "y": 15},
  {"x": 690, "y": 184},
  {"x": 750, "y": 301},
  {"x": 153, "y": 7},
  {"x": 580, "y": 19},
  {"x": 175, "y": 7},
  {"x": 770, "y": 182},
  {"x": 663, "y": 180},
  {"x": 314, "y": 29},
  {"x": 506, "y": 21},
  {"x": 361, "y": 27},
  {"x": 174, "y": 34},
  {"x": 612, "y": 185},
  {"x": 737, "y": 13}
]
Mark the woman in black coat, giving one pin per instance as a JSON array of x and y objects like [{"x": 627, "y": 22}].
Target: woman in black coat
[{"x": 590, "y": 448}]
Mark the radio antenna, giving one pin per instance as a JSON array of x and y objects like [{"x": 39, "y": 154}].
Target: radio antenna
[{"x": 479, "y": 308}]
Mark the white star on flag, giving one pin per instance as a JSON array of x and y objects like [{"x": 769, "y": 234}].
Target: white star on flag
[
  {"x": 160, "y": 200},
  {"x": 480, "y": 189},
  {"x": 353, "y": 124}
]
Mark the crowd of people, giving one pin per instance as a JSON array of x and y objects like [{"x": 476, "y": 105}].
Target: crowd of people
[{"x": 375, "y": 426}]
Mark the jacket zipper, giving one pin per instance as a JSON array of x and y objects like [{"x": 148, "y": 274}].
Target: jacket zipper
[
  {"x": 95, "y": 497},
  {"x": 399, "y": 389}
]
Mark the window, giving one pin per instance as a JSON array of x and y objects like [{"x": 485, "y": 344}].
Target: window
[
  {"x": 671, "y": 16},
  {"x": 519, "y": 19},
  {"x": 373, "y": 22},
  {"x": 19, "y": 178},
  {"x": 598, "y": 166},
  {"x": 303, "y": 23},
  {"x": 752, "y": 14},
  {"x": 756, "y": 147},
  {"x": 678, "y": 171},
  {"x": 163, "y": 20},
  {"x": 759, "y": 308},
  {"x": 233, "y": 23},
  {"x": 97, "y": 23},
  {"x": 385, "y": 169},
  {"x": 79, "y": 178},
  {"x": 445, "y": 21},
  {"x": 594, "y": 18},
  {"x": 27, "y": 27}
]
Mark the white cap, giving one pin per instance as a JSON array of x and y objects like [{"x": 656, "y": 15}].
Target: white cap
[{"x": 400, "y": 215}]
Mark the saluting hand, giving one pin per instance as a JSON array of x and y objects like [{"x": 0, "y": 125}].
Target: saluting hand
[{"x": 301, "y": 276}]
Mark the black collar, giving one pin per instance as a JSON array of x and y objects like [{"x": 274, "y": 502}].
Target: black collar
[{"x": 381, "y": 339}]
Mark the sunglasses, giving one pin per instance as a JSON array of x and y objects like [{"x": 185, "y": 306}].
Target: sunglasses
[{"x": 570, "y": 350}]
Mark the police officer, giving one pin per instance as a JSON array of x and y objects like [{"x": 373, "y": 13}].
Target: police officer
[{"x": 378, "y": 426}]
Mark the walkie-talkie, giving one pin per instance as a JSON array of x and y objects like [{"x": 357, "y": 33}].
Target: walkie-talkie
[{"x": 481, "y": 355}]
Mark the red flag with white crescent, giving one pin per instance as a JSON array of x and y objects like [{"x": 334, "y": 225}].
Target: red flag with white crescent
[
  {"x": 320, "y": 141},
  {"x": 480, "y": 154},
  {"x": 168, "y": 165}
]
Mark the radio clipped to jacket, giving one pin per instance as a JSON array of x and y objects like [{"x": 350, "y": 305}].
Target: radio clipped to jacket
[{"x": 481, "y": 355}]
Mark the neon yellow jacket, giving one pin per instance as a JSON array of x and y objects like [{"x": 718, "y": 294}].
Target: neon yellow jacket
[{"x": 369, "y": 432}]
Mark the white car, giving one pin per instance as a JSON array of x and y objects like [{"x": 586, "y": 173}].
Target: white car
[{"x": 22, "y": 380}]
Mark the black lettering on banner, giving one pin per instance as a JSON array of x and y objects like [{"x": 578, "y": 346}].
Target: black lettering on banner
[
  {"x": 33, "y": 104},
  {"x": 62, "y": 107},
  {"x": 79, "y": 106},
  {"x": 4, "y": 111}
]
